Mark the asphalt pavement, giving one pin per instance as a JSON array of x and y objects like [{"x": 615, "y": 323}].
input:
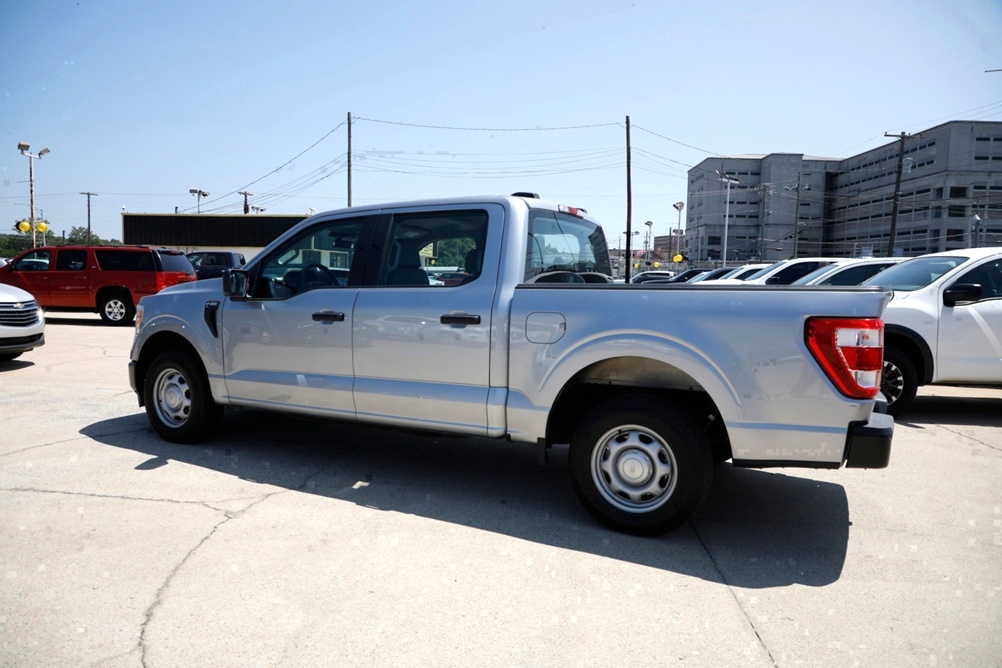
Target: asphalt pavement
[{"x": 301, "y": 542}]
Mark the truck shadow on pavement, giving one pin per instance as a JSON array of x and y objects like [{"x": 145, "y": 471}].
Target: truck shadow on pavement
[
  {"x": 758, "y": 529},
  {"x": 961, "y": 411}
]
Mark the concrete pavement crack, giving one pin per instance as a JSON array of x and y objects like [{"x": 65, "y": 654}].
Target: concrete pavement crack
[
  {"x": 730, "y": 589},
  {"x": 968, "y": 436},
  {"x": 228, "y": 516}
]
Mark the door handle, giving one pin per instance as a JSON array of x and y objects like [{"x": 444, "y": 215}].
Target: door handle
[
  {"x": 459, "y": 319},
  {"x": 328, "y": 316}
]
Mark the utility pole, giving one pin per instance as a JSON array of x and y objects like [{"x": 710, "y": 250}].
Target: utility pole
[
  {"x": 89, "y": 195},
  {"x": 629, "y": 204},
  {"x": 349, "y": 158},
  {"x": 796, "y": 214},
  {"x": 246, "y": 195},
  {"x": 897, "y": 189}
]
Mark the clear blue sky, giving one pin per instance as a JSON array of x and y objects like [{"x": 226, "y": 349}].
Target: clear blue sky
[{"x": 140, "y": 101}]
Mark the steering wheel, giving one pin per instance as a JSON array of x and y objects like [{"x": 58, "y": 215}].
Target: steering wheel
[
  {"x": 316, "y": 275},
  {"x": 556, "y": 277}
]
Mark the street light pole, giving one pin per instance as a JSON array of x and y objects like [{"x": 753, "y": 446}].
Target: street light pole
[
  {"x": 199, "y": 194},
  {"x": 649, "y": 242},
  {"x": 676, "y": 246},
  {"x": 23, "y": 147},
  {"x": 727, "y": 209}
]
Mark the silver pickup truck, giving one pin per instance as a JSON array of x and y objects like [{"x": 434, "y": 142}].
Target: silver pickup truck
[{"x": 649, "y": 385}]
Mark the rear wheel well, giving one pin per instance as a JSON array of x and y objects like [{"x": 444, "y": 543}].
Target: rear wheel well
[
  {"x": 157, "y": 344},
  {"x": 112, "y": 290},
  {"x": 576, "y": 401}
]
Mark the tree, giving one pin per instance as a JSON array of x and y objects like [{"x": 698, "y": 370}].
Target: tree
[{"x": 78, "y": 236}]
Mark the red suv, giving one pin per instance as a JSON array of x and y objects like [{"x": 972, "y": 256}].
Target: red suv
[{"x": 109, "y": 280}]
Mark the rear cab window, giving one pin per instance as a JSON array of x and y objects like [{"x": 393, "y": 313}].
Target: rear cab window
[{"x": 562, "y": 246}]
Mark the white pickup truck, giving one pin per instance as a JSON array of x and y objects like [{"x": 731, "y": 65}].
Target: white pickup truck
[
  {"x": 944, "y": 324},
  {"x": 649, "y": 386}
]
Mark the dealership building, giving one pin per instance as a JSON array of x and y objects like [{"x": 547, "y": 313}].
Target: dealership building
[{"x": 935, "y": 190}]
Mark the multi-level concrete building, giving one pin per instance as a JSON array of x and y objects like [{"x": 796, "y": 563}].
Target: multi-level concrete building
[{"x": 782, "y": 205}]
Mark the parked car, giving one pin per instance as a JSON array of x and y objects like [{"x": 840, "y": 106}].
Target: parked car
[
  {"x": 851, "y": 271},
  {"x": 210, "y": 264},
  {"x": 451, "y": 278},
  {"x": 784, "y": 272},
  {"x": 711, "y": 275},
  {"x": 653, "y": 275},
  {"x": 745, "y": 271},
  {"x": 109, "y": 280},
  {"x": 943, "y": 326},
  {"x": 22, "y": 325},
  {"x": 682, "y": 276}
]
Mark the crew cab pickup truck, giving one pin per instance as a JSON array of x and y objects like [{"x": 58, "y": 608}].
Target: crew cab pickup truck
[
  {"x": 944, "y": 324},
  {"x": 648, "y": 386}
]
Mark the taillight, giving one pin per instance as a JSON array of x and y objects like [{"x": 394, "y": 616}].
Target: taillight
[
  {"x": 161, "y": 281},
  {"x": 850, "y": 351}
]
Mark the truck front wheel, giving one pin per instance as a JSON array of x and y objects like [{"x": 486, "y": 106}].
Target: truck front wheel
[
  {"x": 178, "y": 402},
  {"x": 639, "y": 466},
  {"x": 898, "y": 381}
]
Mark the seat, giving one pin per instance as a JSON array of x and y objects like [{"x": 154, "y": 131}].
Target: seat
[
  {"x": 473, "y": 264},
  {"x": 408, "y": 274}
]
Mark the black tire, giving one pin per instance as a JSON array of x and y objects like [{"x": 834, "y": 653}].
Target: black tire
[
  {"x": 116, "y": 308},
  {"x": 639, "y": 466},
  {"x": 898, "y": 381},
  {"x": 178, "y": 402}
]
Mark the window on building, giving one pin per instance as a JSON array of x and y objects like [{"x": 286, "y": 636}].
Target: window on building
[
  {"x": 713, "y": 241},
  {"x": 957, "y": 211},
  {"x": 958, "y": 191}
]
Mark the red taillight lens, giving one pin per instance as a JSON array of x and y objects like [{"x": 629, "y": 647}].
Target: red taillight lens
[
  {"x": 850, "y": 351},
  {"x": 161, "y": 281}
]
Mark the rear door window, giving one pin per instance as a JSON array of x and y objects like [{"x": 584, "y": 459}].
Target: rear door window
[{"x": 123, "y": 260}]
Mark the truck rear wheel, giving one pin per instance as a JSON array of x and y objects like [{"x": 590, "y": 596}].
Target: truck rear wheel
[
  {"x": 898, "y": 381},
  {"x": 116, "y": 308},
  {"x": 178, "y": 402},
  {"x": 639, "y": 466}
]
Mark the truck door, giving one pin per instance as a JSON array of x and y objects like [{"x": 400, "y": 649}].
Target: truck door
[
  {"x": 970, "y": 333},
  {"x": 289, "y": 344},
  {"x": 422, "y": 347}
]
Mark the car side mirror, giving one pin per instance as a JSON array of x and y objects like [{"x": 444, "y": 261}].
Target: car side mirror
[
  {"x": 235, "y": 283},
  {"x": 961, "y": 292}
]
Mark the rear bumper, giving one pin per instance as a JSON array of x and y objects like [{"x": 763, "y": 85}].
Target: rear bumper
[{"x": 868, "y": 444}]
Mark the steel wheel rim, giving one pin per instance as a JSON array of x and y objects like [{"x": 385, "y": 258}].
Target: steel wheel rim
[
  {"x": 892, "y": 382},
  {"x": 115, "y": 309},
  {"x": 172, "y": 397},
  {"x": 634, "y": 469}
]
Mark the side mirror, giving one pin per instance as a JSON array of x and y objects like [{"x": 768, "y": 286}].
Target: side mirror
[
  {"x": 961, "y": 292},
  {"x": 235, "y": 283}
]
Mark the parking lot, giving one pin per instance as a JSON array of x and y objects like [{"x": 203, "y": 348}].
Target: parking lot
[{"x": 292, "y": 541}]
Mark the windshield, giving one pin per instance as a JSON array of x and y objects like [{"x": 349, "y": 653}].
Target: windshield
[
  {"x": 820, "y": 271},
  {"x": 765, "y": 270},
  {"x": 916, "y": 273}
]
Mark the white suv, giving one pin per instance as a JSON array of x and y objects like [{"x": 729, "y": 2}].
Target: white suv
[
  {"x": 22, "y": 326},
  {"x": 944, "y": 324}
]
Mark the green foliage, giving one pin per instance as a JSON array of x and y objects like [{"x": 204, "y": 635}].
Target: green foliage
[
  {"x": 452, "y": 252},
  {"x": 13, "y": 244},
  {"x": 78, "y": 236}
]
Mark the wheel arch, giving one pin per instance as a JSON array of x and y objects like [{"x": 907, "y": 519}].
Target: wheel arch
[
  {"x": 910, "y": 343},
  {"x": 616, "y": 377},
  {"x": 156, "y": 344}
]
